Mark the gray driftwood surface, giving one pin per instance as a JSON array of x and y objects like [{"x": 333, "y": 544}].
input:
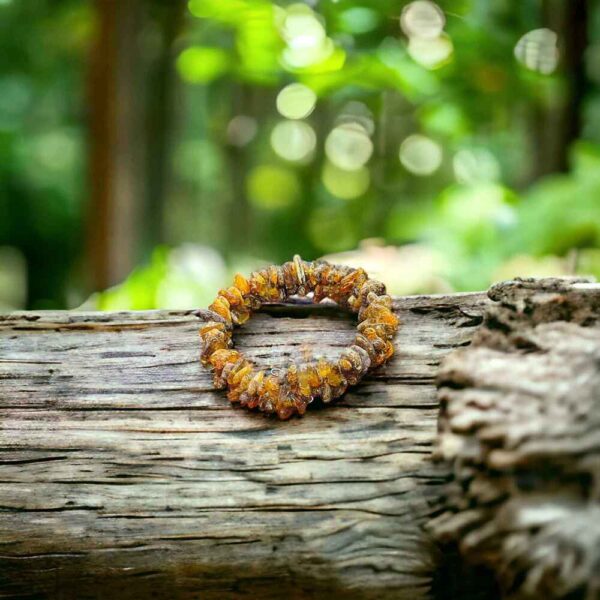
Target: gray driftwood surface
[{"x": 123, "y": 474}]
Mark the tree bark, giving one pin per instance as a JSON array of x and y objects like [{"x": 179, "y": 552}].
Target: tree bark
[
  {"x": 557, "y": 123},
  {"x": 160, "y": 99},
  {"x": 114, "y": 154},
  {"x": 125, "y": 474}
]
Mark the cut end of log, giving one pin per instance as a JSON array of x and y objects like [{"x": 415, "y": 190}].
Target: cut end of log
[{"x": 520, "y": 428}]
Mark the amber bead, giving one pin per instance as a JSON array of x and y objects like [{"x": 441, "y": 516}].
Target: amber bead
[
  {"x": 221, "y": 307},
  {"x": 241, "y": 283},
  {"x": 291, "y": 392},
  {"x": 251, "y": 396},
  {"x": 286, "y": 406},
  {"x": 270, "y": 395},
  {"x": 212, "y": 341},
  {"x": 240, "y": 381},
  {"x": 258, "y": 285},
  {"x": 385, "y": 331},
  {"x": 290, "y": 278},
  {"x": 370, "y": 286},
  {"x": 307, "y": 381}
]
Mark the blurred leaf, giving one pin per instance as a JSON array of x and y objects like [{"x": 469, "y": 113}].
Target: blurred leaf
[
  {"x": 227, "y": 11},
  {"x": 138, "y": 291},
  {"x": 273, "y": 188},
  {"x": 358, "y": 19},
  {"x": 203, "y": 64},
  {"x": 178, "y": 278},
  {"x": 258, "y": 43},
  {"x": 444, "y": 119},
  {"x": 334, "y": 63}
]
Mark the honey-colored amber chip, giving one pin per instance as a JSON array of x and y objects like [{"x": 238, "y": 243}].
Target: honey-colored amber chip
[
  {"x": 290, "y": 392},
  {"x": 221, "y": 307},
  {"x": 241, "y": 283}
]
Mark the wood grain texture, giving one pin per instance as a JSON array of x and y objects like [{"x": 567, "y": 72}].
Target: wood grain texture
[
  {"x": 123, "y": 474},
  {"x": 520, "y": 426}
]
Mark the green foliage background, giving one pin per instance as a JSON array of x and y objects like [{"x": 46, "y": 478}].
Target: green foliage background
[{"x": 249, "y": 205}]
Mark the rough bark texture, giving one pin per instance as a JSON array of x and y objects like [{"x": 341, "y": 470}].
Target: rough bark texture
[
  {"x": 520, "y": 425},
  {"x": 123, "y": 474}
]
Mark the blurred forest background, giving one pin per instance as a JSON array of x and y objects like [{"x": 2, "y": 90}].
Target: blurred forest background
[{"x": 150, "y": 148}]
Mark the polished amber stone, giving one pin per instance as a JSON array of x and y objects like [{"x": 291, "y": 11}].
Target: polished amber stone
[
  {"x": 354, "y": 363},
  {"x": 269, "y": 397},
  {"x": 385, "y": 331},
  {"x": 378, "y": 312},
  {"x": 254, "y": 390},
  {"x": 241, "y": 283},
  {"x": 290, "y": 278},
  {"x": 213, "y": 340},
  {"x": 370, "y": 287},
  {"x": 285, "y": 406},
  {"x": 221, "y": 357},
  {"x": 258, "y": 285},
  {"x": 240, "y": 381},
  {"x": 300, "y": 404},
  {"x": 221, "y": 307},
  {"x": 240, "y": 313},
  {"x": 221, "y": 360},
  {"x": 307, "y": 382}
]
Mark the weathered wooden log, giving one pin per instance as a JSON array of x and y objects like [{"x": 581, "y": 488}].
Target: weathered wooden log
[
  {"x": 520, "y": 425},
  {"x": 123, "y": 474}
]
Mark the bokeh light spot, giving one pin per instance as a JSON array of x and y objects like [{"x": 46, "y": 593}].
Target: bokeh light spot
[
  {"x": 198, "y": 161},
  {"x": 296, "y": 101},
  {"x": 301, "y": 26},
  {"x": 430, "y": 53},
  {"x": 348, "y": 146},
  {"x": 271, "y": 187},
  {"x": 537, "y": 50},
  {"x": 241, "y": 130},
  {"x": 475, "y": 165},
  {"x": 305, "y": 36},
  {"x": 420, "y": 155},
  {"x": 422, "y": 19},
  {"x": 357, "y": 112},
  {"x": 293, "y": 140},
  {"x": 302, "y": 57}
]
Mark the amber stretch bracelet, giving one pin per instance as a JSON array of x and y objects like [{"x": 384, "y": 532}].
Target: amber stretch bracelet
[{"x": 291, "y": 390}]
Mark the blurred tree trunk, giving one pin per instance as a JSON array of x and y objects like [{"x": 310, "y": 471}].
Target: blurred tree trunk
[
  {"x": 115, "y": 197},
  {"x": 167, "y": 18},
  {"x": 236, "y": 213},
  {"x": 131, "y": 84},
  {"x": 558, "y": 126}
]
